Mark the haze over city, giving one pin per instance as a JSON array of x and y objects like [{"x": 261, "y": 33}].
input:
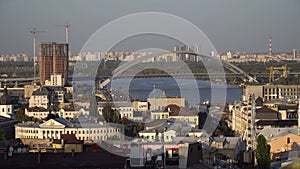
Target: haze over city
[
  {"x": 150, "y": 84},
  {"x": 230, "y": 25}
]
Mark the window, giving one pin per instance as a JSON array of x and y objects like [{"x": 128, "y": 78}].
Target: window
[{"x": 288, "y": 140}]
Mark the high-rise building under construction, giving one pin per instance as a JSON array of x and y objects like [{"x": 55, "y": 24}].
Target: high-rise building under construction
[{"x": 53, "y": 60}]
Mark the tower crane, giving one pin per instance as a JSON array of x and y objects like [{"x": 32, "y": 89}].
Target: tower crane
[
  {"x": 284, "y": 69},
  {"x": 67, "y": 26},
  {"x": 34, "y": 32}
]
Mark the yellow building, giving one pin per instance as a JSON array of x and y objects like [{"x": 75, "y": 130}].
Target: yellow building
[
  {"x": 159, "y": 115},
  {"x": 69, "y": 143},
  {"x": 161, "y": 103},
  {"x": 140, "y": 105},
  {"x": 288, "y": 142},
  {"x": 239, "y": 117}
]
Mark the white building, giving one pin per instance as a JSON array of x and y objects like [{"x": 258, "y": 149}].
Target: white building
[
  {"x": 42, "y": 113},
  {"x": 39, "y": 98},
  {"x": 45, "y": 96},
  {"x": 37, "y": 112},
  {"x": 152, "y": 136},
  {"x": 56, "y": 80},
  {"x": 124, "y": 108},
  {"x": 6, "y": 107},
  {"x": 53, "y": 128}
]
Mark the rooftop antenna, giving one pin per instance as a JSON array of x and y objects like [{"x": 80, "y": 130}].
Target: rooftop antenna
[{"x": 34, "y": 32}]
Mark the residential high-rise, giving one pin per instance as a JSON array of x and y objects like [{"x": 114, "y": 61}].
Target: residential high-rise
[{"x": 53, "y": 60}]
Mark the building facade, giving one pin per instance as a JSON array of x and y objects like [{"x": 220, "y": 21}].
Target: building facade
[
  {"x": 6, "y": 106},
  {"x": 160, "y": 103},
  {"x": 39, "y": 98},
  {"x": 53, "y": 60},
  {"x": 53, "y": 128},
  {"x": 270, "y": 92}
]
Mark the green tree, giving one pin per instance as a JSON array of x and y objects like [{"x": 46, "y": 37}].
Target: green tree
[
  {"x": 223, "y": 129},
  {"x": 21, "y": 116},
  {"x": 2, "y": 135},
  {"x": 110, "y": 115},
  {"x": 68, "y": 96},
  {"x": 262, "y": 153}
]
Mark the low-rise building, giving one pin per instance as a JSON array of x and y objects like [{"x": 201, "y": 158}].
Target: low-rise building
[
  {"x": 178, "y": 114},
  {"x": 160, "y": 103},
  {"x": 288, "y": 142},
  {"x": 225, "y": 148},
  {"x": 140, "y": 106},
  {"x": 68, "y": 143},
  {"x": 7, "y": 125},
  {"x": 53, "y": 128},
  {"x": 159, "y": 115},
  {"x": 153, "y": 135},
  {"x": 47, "y": 96},
  {"x": 6, "y": 106},
  {"x": 124, "y": 108},
  {"x": 270, "y": 92},
  {"x": 287, "y": 110},
  {"x": 40, "y": 98},
  {"x": 265, "y": 117},
  {"x": 37, "y": 112},
  {"x": 42, "y": 113}
]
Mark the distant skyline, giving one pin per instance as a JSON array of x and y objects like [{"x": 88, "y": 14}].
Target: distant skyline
[{"x": 233, "y": 25}]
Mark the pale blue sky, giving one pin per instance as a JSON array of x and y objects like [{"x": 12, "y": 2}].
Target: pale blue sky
[{"x": 237, "y": 25}]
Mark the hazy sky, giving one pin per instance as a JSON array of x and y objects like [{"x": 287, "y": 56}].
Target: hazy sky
[{"x": 237, "y": 25}]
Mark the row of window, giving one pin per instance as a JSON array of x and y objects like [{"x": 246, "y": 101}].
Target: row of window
[
  {"x": 279, "y": 89},
  {"x": 152, "y": 137},
  {"x": 158, "y": 116},
  {"x": 75, "y": 132},
  {"x": 3, "y": 110}
]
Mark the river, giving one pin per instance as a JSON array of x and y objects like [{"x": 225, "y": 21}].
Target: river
[{"x": 194, "y": 91}]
